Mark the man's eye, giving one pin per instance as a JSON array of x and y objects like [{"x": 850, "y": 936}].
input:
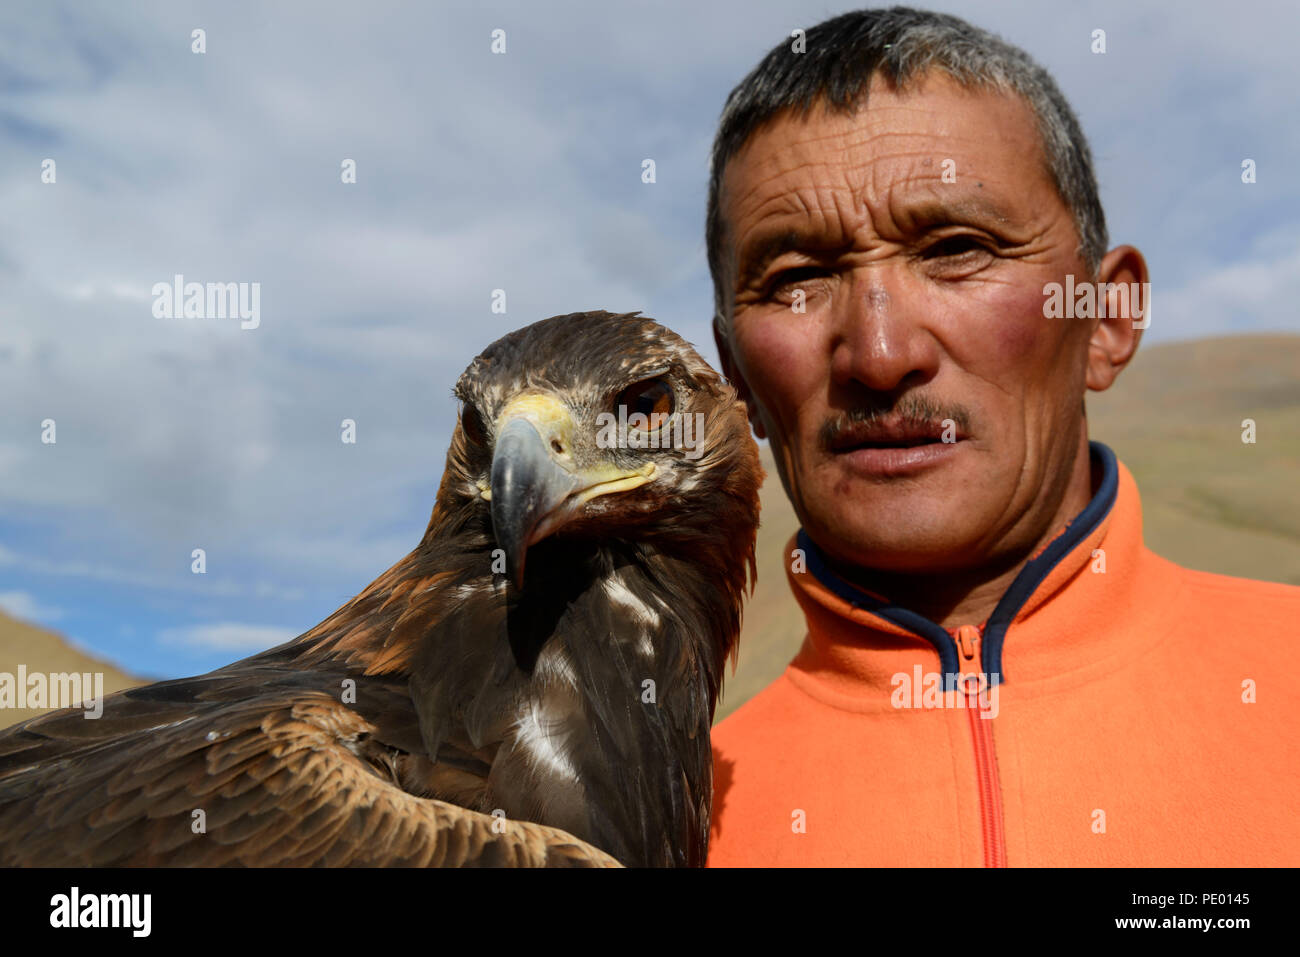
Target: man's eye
[
  {"x": 955, "y": 246},
  {"x": 791, "y": 279},
  {"x": 956, "y": 257}
]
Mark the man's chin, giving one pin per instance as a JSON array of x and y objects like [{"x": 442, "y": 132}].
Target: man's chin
[
  {"x": 869, "y": 553},
  {"x": 911, "y": 531}
]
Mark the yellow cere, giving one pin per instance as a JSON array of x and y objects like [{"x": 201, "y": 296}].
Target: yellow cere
[{"x": 548, "y": 415}]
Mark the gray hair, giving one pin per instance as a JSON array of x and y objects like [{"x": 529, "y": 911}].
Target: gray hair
[{"x": 843, "y": 53}]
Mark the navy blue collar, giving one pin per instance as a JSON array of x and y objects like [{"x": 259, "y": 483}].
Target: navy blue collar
[{"x": 1030, "y": 577}]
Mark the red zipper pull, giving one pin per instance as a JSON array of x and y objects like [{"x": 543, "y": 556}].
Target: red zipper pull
[
  {"x": 968, "y": 641},
  {"x": 972, "y": 680}
]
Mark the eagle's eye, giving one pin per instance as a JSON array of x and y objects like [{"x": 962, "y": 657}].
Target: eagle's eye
[
  {"x": 651, "y": 398},
  {"x": 471, "y": 423}
]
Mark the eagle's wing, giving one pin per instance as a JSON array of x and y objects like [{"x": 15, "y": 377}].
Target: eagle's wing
[{"x": 287, "y": 777}]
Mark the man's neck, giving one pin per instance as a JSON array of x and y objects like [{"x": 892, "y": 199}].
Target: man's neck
[{"x": 968, "y": 597}]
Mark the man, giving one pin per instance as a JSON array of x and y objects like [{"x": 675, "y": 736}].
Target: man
[{"x": 996, "y": 670}]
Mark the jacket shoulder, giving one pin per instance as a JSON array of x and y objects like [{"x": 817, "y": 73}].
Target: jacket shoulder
[
  {"x": 1241, "y": 594},
  {"x": 1251, "y": 616},
  {"x": 765, "y": 709}
]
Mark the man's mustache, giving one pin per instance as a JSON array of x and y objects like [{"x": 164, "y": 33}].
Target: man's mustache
[{"x": 912, "y": 411}]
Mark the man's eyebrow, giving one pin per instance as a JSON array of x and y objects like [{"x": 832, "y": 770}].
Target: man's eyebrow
[{"x": 970, "y": 208}]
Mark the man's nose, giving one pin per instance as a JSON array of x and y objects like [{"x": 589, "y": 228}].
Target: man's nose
[{"x": 880, "y": 337}]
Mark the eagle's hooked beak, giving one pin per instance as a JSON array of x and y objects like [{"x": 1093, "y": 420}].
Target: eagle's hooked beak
[{"x": 536, "y": 486}]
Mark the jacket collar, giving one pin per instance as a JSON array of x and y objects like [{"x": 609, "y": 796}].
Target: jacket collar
[{"x": 1057, "y": 618}]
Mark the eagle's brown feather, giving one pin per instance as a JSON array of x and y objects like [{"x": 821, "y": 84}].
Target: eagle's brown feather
[{"x": 290, "y": 780}]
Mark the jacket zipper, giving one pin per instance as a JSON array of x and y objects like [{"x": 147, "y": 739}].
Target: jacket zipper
[{"x": 969, "y": 639}]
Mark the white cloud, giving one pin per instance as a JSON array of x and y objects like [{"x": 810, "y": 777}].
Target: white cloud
[
  {"x": 227, "y": 636},
  {"x": 223, "y": 587},
  {"x": 1252, "y": 295},
  {"x": 21, "y": 604}
]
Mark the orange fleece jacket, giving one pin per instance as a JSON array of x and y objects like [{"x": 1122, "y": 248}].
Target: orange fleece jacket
[{"x": 1132, "y": 713}]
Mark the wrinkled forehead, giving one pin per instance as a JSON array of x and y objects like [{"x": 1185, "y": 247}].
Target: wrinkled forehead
[{"x": 930, "y": 140}]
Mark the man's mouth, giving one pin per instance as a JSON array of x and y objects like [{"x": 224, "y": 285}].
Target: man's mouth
[{"x": 895, "y": 435}]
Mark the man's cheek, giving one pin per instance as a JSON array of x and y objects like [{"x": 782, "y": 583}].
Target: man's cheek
[
  {"x": 777, "y": 358},
  {"x": 993, "y": 328},
  {"x": 1019, "y": 329}
]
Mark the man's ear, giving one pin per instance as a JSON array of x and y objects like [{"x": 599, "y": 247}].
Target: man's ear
[
  {"x": 731, "y": 369},
  {"x": 1127, "y": 298}
]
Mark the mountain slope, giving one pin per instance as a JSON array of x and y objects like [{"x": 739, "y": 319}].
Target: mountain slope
[{"x": 41, "y": 650}]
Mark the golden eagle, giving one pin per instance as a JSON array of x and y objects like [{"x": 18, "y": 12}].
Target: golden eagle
[{"x": 532, "y": 685}]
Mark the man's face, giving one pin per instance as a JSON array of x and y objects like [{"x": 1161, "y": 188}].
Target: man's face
[{"x": 924, "y": 303}]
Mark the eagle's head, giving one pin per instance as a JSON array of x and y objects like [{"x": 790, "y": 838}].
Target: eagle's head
[
  {"x": 601, "y": 425},
  {"x": 601, "y": 502}
]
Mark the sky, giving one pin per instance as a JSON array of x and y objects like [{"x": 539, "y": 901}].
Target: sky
[{"x": 475, "y": 171}]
